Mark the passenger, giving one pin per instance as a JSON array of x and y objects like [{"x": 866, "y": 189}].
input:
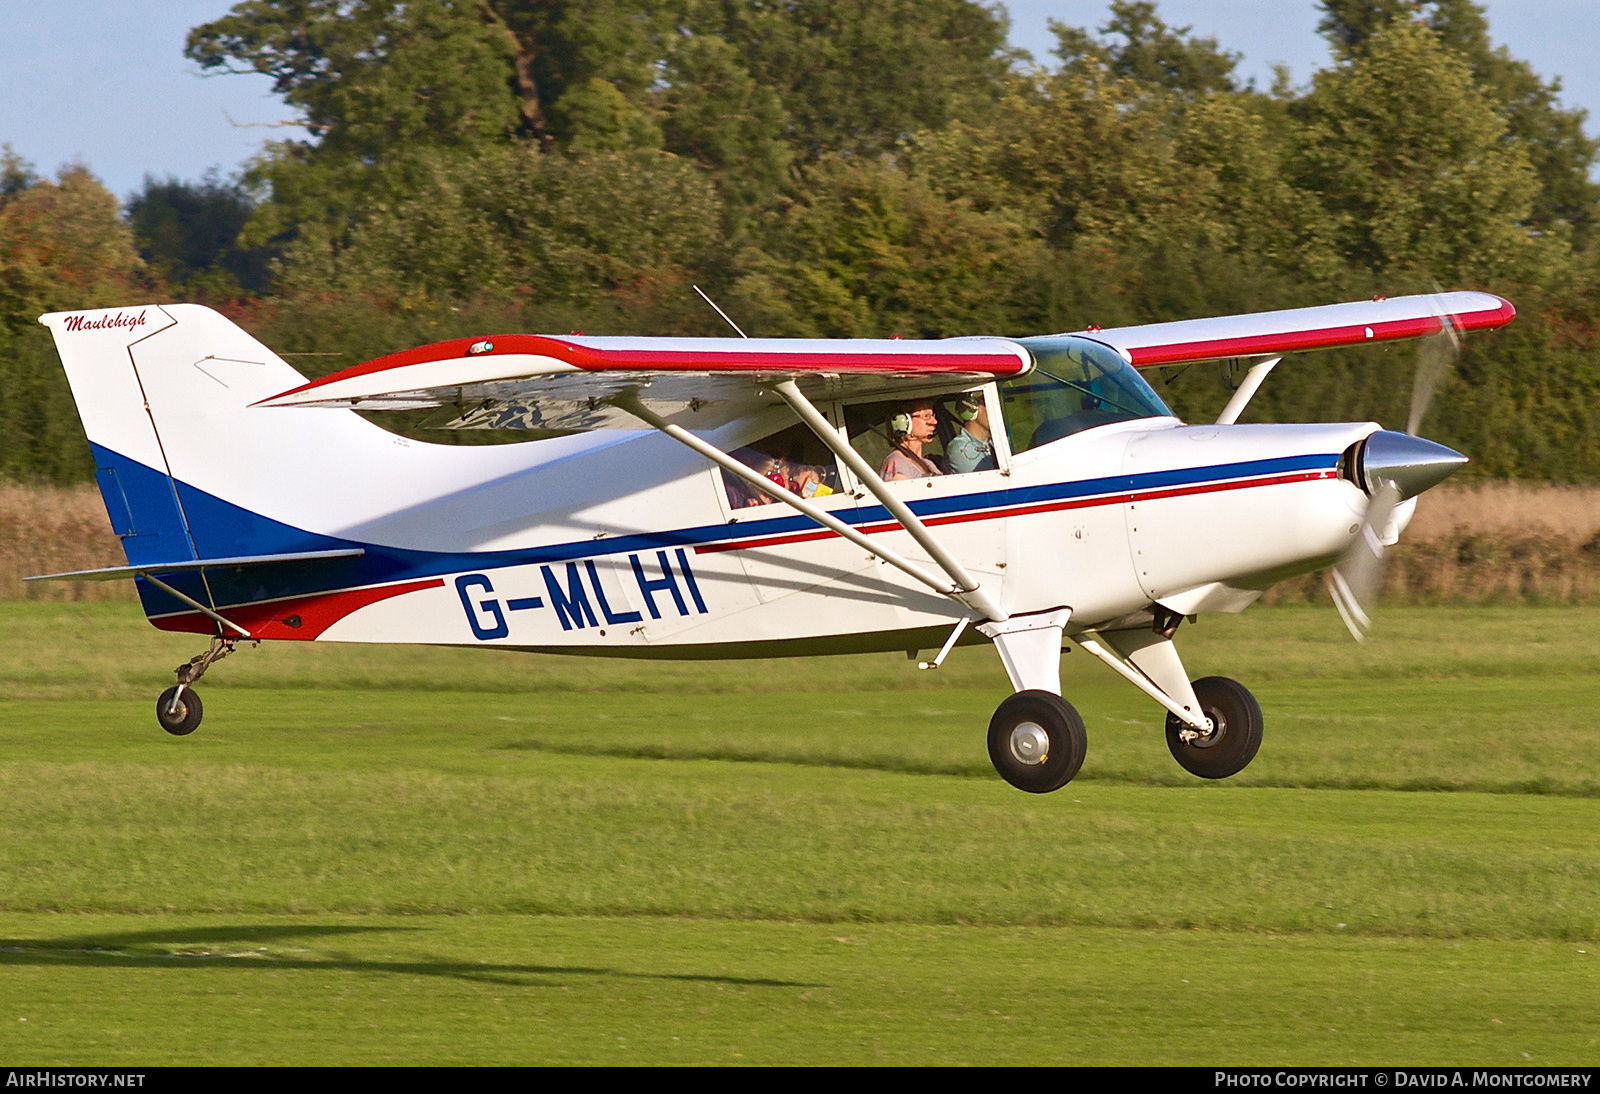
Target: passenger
[
  {"x": 807, "y": 480},
  {"x": 742, "y": 495},
  {"x": 802, "y": 478},
  {"x": 909, "y": 431},
  {"x": 973, "y": 448}
]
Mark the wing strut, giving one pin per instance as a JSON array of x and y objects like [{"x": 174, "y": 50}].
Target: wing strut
[
  {"x": 1247, "y": 389},
  {"x": 968, "y": 591},
  {"x": 631, "y": 403}
]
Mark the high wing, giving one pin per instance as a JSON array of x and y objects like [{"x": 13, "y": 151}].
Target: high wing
[
  {"x": 1272, "y": 333},
  {"x": 575, "y": 382},
  {"x": 523, "y": 381}
]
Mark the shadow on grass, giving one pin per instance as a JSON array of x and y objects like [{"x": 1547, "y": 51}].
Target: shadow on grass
[
  {"x": 203, "y": 947},
  {"x": 899, "y": 764},
  {"x": 905, "y": 765}
]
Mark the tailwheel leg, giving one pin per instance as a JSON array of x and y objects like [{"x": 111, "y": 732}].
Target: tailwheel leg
[
  {"x": 179, "y": 709},
  {"x": 1037, "y": 742}
]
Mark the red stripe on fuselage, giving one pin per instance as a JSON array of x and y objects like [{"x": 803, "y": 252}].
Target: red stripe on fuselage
[
  {"x": 1026, "y": 510},
  {"x": 300, "y": 618}
]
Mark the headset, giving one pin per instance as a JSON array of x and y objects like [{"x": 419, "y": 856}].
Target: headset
[{"x": 964, "y": 409}]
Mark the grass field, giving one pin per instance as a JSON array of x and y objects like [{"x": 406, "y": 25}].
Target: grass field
[{"x": 402, "y": 855}]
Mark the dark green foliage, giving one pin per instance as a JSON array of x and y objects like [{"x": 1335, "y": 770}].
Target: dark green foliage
[
  {"x": 518, "y": 223},
  {"x": 859, "y": 75},
  {"x": 855, "y": 167},
  {"x": 40, "y": 438},
  {"x": 373, "y": 75},
  {"x": 1551, "y": 137},
  {"x": 188, "y": 235},
  {"x": 869, "y": 252}
]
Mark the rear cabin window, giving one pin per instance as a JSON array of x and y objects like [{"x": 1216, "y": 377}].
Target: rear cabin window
[{"x": 793, "y": 458}]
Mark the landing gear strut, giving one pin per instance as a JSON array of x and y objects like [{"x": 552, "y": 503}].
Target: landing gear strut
[{"x": 179, "y": 709}]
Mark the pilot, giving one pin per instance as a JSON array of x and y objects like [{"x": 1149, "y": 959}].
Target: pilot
[
  {"x": 910, "y": 430},
  {"x": 973, "y": 448}
]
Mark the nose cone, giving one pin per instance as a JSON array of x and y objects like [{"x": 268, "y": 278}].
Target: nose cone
[{"x": 1411, "y": 463}]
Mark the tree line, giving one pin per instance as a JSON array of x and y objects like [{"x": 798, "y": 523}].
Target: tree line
[{"x": 852, "y": 168}]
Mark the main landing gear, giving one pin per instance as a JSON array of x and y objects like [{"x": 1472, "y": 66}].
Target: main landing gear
[
  {"x": 179, "y": 709},
  {"x": 1037, "y": 741}
]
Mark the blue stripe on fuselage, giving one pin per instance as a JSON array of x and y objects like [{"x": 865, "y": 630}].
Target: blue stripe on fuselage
[{"x": 222, "y": 529}]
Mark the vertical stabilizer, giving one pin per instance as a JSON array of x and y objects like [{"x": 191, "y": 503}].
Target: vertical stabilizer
[
  {"x": 163, "y": 392},
  {"x": 130, "y": 467}
]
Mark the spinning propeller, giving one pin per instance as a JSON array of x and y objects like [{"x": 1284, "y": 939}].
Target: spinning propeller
[{"x": 1392, "y": 468}]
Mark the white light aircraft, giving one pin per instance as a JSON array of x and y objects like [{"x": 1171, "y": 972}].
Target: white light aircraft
[{"x": 752, "y": 497}]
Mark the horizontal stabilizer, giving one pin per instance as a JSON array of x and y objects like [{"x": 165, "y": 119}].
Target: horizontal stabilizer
[{"x": 191, "y": 565}]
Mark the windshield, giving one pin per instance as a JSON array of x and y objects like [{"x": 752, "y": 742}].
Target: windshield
[{"x": 1076, "y": 384}]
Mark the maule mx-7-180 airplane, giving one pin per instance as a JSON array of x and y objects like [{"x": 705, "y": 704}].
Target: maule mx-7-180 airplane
[{"x": 733, "y": 497}]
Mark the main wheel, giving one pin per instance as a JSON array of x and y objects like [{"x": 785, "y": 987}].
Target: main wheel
[
  {"x": 1036, "y": 741},
  {"x": 183, "y": 720},
  {"x": 1235, "y": 733}
]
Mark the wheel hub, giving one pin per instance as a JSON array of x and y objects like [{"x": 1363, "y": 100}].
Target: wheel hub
[
  {"x": 1030, "y": 744},
  {"x": 1215, "y": 726}
]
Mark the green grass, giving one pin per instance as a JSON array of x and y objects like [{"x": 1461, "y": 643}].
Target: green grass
[
  {"x": 517, "y": 989},
  {"x": 374, "y": 854}
]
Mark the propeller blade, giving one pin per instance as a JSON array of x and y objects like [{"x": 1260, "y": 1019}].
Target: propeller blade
[
  {"x": 1435, "y": 355},
  {"x": 1357, "y": 580}
]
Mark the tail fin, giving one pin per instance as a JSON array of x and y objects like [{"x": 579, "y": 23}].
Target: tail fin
[{"x": 162, "y": 391}]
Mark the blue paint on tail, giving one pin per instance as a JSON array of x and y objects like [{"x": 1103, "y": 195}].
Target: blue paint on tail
[{"x": 143, "y": 509}]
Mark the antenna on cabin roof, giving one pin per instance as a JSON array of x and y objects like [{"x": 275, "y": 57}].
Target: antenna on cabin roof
[{"x": 719, "y": 311}]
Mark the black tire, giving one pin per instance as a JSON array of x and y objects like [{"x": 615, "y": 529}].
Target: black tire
[
  {"x": 1020, "y": 724},
  {"x": 1235, "y": 736},
  {"x": 183, "y": 721}
]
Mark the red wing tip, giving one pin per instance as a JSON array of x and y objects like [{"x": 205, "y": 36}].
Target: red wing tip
[{"x": 1507, "y": 311}]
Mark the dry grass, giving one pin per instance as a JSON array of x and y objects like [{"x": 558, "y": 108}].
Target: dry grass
[
  {"x": 1507, "y": 511},
  {"x": 1496, "y": 542},
  {"x": 47, "y": 530}
]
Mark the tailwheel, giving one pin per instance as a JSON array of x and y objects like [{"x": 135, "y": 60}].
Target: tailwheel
[
  {"x": 179, "y": 711},
  {"x": 1036, "y": 741},
  {"x": 1234, "y": 737}
]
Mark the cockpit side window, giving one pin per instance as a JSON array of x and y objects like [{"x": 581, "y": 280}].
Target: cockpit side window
[
  {"x": 924, "y": 437},
  {"x": 1076, "y": 384},
  {"x": 899, "y": 438},
  {"x": 964, "y": 432},
  {"x": 793, "y": 458}
]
